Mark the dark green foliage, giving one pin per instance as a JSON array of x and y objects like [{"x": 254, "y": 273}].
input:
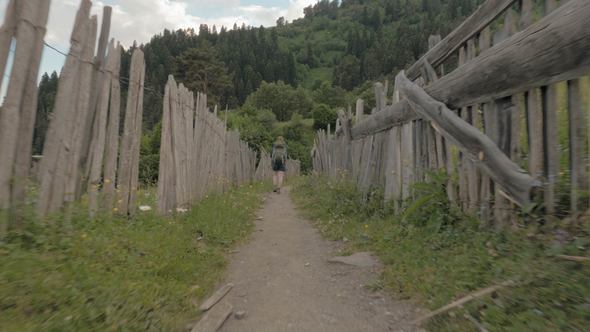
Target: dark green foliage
[
  {"x": 299, "y": 137},
  {"x": 149, "y": 157},
  {"x": 323, "y": 115},
  {"x": 282, "y": 99},
  {"x": 46, "y": 101},
  {"x": 255, "y": 127},
  {"x": 200, "y": 69},
  {"x": 348, "y": 72},
  {"x": 332, "y": 96}
]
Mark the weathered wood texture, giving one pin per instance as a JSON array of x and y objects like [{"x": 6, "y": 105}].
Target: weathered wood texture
[
  {"x": 53, "y": 170},
  {"x": 478, "y": 147},
  {"x": 554, "y": 49},
  {"x": 22, "y": 167},
  {"x": 112, "y": 139},
  {"x": 128, "y": 170},
  {"x": 25, "y": 21},
  {"x": 198, "y": 155}
]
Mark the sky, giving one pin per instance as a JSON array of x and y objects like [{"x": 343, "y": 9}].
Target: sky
[{"x": 138, "y": 20}]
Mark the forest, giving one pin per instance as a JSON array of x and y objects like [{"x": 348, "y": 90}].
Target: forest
[{"x": 287, "y": 80}]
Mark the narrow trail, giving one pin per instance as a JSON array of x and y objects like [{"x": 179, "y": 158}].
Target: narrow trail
[{"x": 283, "y": 281}]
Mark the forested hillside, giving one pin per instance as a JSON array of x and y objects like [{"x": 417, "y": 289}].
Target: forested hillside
[{"x": 312, "y": 66}]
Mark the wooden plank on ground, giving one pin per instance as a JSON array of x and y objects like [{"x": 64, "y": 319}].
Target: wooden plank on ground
[
  {"x": 214, "y": 318},
  {"x": 216, "y": 297}
]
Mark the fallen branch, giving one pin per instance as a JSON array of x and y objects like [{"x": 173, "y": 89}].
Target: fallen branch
[
  {"x": 462, "y": 301},
  {"x": 574, "y": 258}
]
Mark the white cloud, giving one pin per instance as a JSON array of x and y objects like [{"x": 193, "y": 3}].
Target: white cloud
[
  {"x": 261, "y": 15},
  {"x": 295, "y": 9}
]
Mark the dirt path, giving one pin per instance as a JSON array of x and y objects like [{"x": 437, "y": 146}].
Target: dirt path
[{"x": 284, "y": 283}]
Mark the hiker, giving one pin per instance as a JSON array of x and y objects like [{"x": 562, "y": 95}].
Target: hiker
[{"x": 279, "y": 161}]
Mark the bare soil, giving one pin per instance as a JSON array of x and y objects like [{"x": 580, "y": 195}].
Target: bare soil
[{"x": 284, "y": 282}]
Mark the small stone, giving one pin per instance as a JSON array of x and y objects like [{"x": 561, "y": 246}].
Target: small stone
[
  {"x": 259, "y": 218},
  {"x": 240, "y": 314},
  {"x": 307, "y": 264}
]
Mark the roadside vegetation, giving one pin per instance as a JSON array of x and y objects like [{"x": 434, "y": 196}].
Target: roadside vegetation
[
  {"x": 434, "y": 254},
  {"x": 147, "y": 274}
]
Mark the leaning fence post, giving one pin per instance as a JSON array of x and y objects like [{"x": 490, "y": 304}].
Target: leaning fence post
[{"x": 127, "y": 177}]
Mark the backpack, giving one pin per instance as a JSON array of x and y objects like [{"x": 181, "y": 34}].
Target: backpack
[{"x": 279, "y": 153}]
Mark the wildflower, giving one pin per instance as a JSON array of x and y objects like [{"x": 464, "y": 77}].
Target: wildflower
[
  {"x": 366, "y": 226},
  {"x": 145, "y": 208},
  {"x": 115, "y": 209}
]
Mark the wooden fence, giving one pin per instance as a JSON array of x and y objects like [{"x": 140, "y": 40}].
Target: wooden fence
[
  {"x": 83, "y": 150},
  {"x": 198, "y": 155},
  {"x": 485, "y": 105}
]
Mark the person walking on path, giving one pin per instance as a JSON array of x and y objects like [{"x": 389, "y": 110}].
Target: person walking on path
[{"x": 279, "y": 161}]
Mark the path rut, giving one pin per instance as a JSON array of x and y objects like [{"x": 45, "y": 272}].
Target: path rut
[{"x": 283, "y": 281}]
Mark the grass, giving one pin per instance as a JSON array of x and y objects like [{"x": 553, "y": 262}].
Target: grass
[
  {"x": 116, "y": 274},
  {"x": 433, "y": 254}
]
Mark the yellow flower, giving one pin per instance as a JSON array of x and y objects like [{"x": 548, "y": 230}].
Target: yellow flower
[
  {"x": 366, "y": 226},
  {"x": 115, "y": 209}
]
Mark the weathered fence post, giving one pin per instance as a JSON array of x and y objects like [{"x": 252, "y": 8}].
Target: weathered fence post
[
  {"x": 52, "y": 170},
  {"x": 25, "y": 21},
  {"x": 127, "y": 177},
  {"x": 112, "y": 138},
  {"x": 22, "y": 167}
]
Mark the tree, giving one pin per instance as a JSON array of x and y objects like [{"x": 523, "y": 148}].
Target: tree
[
  {"x": 348, "y": 73},
  {"x": 282, "y": 99},
  {"x": 200, "y": 69},
  {"x": 46, "y": 102},
  {"x": 322, "y": 116},
  {"x": 332, "y": 96}
]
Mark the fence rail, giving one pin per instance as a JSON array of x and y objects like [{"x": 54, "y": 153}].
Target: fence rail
[{"x": 491, "y": 122}]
